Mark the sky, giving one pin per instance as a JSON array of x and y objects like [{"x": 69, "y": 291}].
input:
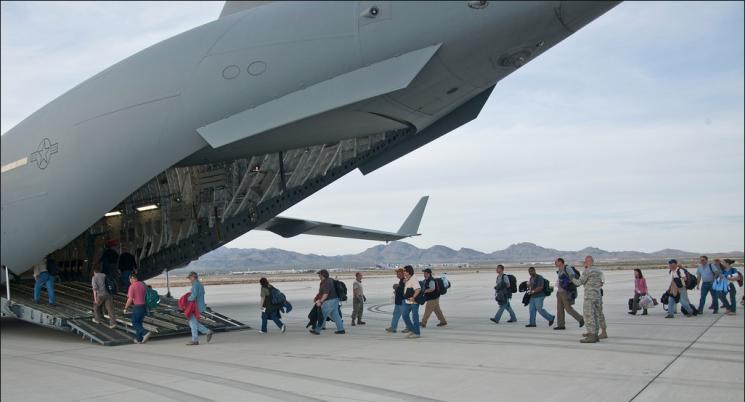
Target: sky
[{"x": 628, "y": 135}]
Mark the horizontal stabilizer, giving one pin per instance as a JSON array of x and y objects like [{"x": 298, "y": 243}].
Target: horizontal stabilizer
[
  {"x": 364, "y": 83},
  {"x": 291, "y": 227}
]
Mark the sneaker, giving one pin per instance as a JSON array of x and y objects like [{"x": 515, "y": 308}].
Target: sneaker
[
  {"x": 442, "y": 324},
  {"x": 209, "y": 336},
  {"x": 511, "y": 320},
  {"x": 136, "y": 342},
  {"x": 559, "y": 328},
  {"x": 530, "y": 326},
  {"x": 405, "y": 331},
  {"x": 314, "y": 332},
  {"x": 669, "y": 316},
  {"x": 112, "y": 326},
  {"x": 412, "y": 336},
  {"x": 632, "y": 312},
  {"x": 340, "y": 332},
  {"x": 390, "y": 330},
  {"x": 262, "y": 332},
  {"x": 353, "y": 324},
  {"x": 284, "y": 328},
  {"x": 361, "y": 322},
  {"x": 95, "y": 321},
  {"x": 192, "y": 343},
  {"x": 494, "y": 320},
  {"x": 147, "y": 337},
  {"x": 551, "y": 322}
]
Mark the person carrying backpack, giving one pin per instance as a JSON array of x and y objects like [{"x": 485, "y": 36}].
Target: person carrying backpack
[
  {"x": 537, "y": 291},
  {"x": 328, "y": 303},
  {"x": 101, "y": 297},
  {"x": 677, "y": 290},
  {"x": 706, "y": 273},
  {"x": 432, "y": 296},
  {"x": 566, "y": 292},
  {"x": 271, "y": 302},
  {"x": 731, "y": 276},
  {"x": 502, "y": 294}
]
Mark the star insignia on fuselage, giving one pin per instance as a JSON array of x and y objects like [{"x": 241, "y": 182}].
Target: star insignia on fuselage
[{"x": 43, "y": 152}]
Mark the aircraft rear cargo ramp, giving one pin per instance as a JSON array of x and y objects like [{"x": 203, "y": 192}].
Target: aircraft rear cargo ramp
[{"x": 73, "y": 313}]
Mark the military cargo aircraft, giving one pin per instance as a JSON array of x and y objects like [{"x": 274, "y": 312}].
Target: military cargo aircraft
[{"x": 194, "y": 141}]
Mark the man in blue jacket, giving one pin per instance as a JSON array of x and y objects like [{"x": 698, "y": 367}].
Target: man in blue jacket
[{"x": 197, "y": 296}]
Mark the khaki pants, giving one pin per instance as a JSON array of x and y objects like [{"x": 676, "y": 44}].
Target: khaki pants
[
  {"x": 562, "y": 304},
  {"x": 104, "y": 300},
  {"x": 433, "y": 306}
]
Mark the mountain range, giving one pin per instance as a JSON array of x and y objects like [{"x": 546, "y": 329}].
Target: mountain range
[{"x": 235, "y": 259}]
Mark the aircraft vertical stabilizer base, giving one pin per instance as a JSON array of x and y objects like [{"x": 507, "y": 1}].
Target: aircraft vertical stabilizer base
[{"x": 196, "y": 140}]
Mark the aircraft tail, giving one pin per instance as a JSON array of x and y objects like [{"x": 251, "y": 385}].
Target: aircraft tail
[{"x": 411, "y": 224}]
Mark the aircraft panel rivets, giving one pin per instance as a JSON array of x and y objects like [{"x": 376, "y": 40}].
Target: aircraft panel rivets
[
  {"x": 257, "y": 68},
  {"x": 231, "y": 72}
]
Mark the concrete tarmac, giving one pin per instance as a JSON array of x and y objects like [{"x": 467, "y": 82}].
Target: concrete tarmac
[{"x": 646, "y": 358}]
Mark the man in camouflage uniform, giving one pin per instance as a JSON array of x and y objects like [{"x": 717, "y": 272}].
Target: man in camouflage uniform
[
  {"x": 592, "y": 280},
  {"x": 358, "y": 300}
]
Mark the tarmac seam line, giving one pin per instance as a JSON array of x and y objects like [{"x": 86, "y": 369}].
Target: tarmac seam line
[{"x": 676, "y": 358}]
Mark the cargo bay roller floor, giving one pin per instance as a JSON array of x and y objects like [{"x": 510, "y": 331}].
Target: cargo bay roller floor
[
  {"x": 73, "y": 313},
  {"x": 646, "y": 358}
]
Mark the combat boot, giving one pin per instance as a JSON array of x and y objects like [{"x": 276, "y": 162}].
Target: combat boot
[
  {"x": 591, "y": 338},
  {"x": 603, "y": 335}
]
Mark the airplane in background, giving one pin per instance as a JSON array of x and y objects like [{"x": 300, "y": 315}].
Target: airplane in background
[{"x": 194, "y": 141}]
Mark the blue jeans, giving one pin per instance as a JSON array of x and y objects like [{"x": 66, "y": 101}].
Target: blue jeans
[
  {"x": 330, "y": 307},
  {"x": 44, "y": 279},
  {"x": 124, "y": 279},
  {"x": 507, "y": 307},
  {"x": 266, "y": 316},
  {"x": 410, "y": 313},
  {"x": 396, "y": 316},
  {"x": 730, "y": 305},
  {"x": 197, "y": 328},
  {"x": 138, "y": 316},
  {"x": 706, "y": 288},
  {"x": 536, "y": 305},
  {"x": 683, "y": 303}
]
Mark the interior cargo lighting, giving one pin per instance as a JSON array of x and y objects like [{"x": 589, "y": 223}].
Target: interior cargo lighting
[
  {"x": 146, "y": 208},
  {"x": 112, "y": 213}
]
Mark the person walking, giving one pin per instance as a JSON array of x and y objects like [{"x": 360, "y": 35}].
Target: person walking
[
  {"x": 706, "y": 273},
  {"x": 136, "y": 299},
  {"x": 640, "y": 289},
  {"x": 398, "y": 299},
  {"x": 592, "y": 280},
  {"x": 730, "y": 276},
  {"x": 410, "y": 307},
  {"x": 43, "y": 279},
  {"x": 358, "y": 299},
  {"x": 677, "y": 290},
  {"x": 536, "y": 288},
  {"x": 503, "y": 294},
  {"x": 101, "y": 297},
  {"x": 432, "y": 297},
  {"x": 269, "y": 311},
  {"x": 328, "y": 303},
  {"x": 566, "y": 293},
  {"x": 197, "y": 296}
]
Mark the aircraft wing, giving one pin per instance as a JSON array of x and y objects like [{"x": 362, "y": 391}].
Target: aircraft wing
[{"x": 291, "y": 227}]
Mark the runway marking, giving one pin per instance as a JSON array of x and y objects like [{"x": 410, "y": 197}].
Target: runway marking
[
  {"x": 676, "y": 358},
  {"x": 158, "y": 389}
]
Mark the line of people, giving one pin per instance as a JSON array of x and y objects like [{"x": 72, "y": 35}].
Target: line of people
[{"x": 716, "y": 279}]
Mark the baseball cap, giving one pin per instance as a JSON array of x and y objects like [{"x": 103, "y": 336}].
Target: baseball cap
[
  {"x": 427, "y": 270},
  {"x": 672, "y": 261},
  {"x": 729, "y": 261}
]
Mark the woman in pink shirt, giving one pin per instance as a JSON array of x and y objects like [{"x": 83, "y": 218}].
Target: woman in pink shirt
[{"x": 640, "y": 289}]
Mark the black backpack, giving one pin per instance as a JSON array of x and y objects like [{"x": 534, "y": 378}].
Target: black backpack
[
  {"x": 577, "y": 274},
  {"x": 440, "y": 286},
  {"x": 52, "y": 268},
  {"x": 547, "y": 289},
  {"x": 341, "y": 290},
  {"x": 739, "y": 277},
  {"x": 276, "y": 297},
  {"x": 690, "y": 281},
  {"x": 513, "y": 283},
  {"x": 111, "y": 287}
]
